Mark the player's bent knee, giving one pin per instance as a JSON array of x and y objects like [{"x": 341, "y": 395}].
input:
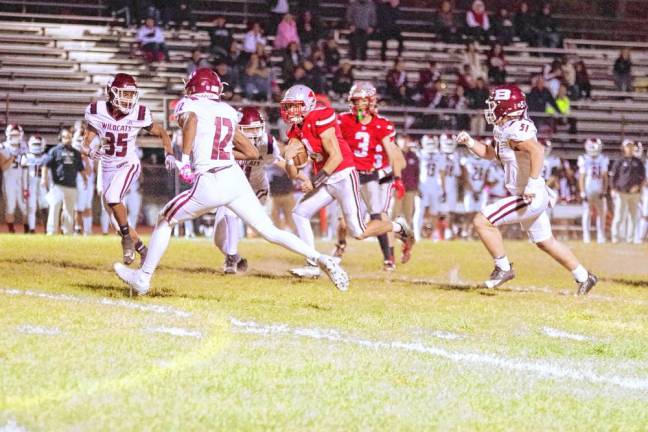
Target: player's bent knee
[{"x": 481, "y": 222}]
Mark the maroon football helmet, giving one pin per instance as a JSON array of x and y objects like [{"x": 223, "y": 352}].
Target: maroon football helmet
[
  {"x": 251, "y": 123},
  {"x": 123, "y": 93},
  {"x": 204, "y": 82},
  {"x": 505, "y": 101}
]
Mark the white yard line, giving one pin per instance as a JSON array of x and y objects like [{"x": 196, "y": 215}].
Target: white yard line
[
  {"x": 174, "y": 331},
  {"x": 144, "y": 307},
  {"x": 38, "y": 330},
  {"x": 12, "y": 426},
  {"x": 555, "y": 333},
  {"x": 542, "y": 368}
]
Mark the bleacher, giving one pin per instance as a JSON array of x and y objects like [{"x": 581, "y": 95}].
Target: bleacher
[{"x": 56, "y": 57}]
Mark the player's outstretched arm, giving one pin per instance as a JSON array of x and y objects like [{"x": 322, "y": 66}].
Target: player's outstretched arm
[
  {"x": 158, "y": 130},
  {"x": 396, "y": 157},
  {"x": 477, "y": 147},
  {"x": 243, "y": 147},
  {"x": 332, "y": 148},
  {"x": 188, "y": 121}
]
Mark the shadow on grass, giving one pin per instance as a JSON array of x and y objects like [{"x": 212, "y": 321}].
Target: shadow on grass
[
  {"x": 628, "y": 282},
  {"x": 56, "y": 263}
]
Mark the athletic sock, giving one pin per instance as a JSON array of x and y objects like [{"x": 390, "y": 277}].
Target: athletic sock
[
  {"x": 503, "y": 263},
  {"x": 124, "y": 230},
  {"x": 26, "y": 228},
  {"x": 580, "y": 274},
  {"x": 139, "y": 246},
  {"x": 157, "y": 246},
  {"x": 384, "y": 246}
]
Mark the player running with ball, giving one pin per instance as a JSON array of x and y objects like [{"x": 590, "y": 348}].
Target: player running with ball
[{"x": 518, "y": 150}]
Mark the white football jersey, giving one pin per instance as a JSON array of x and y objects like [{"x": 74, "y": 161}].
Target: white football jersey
[
  {"x": 476, "y": 170},
  {"x": 119, "y": 135},
  {"x": 517, "y": 164},
  {"x": 14, "y": 172},
  {"x": 430, "y": 172},
  {"x": 452, "y": 170},
  {"x": 496, "y": 180},
  {"x": 550, "y": 163},
  {"x": 255, "y": 170},
  {"x": 217, "y": 121},
  {"x": 33, "y": 163},
  {"x": 593, "y": 168}
]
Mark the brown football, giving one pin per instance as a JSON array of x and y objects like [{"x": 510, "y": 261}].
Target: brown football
[{"x": 301, "y": 158}]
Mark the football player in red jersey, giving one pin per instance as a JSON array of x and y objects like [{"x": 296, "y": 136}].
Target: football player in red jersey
[
  {"x": 336, "y": 178},
  {"x": 378, "y": 160}
]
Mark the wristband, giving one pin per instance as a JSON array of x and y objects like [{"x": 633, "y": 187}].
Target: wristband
[
  {"x": 470, "y": 143},
  {"x": 396, "y": 178},
  {"x": 185, "y": 159},
  {"x": 319, "y": 179},
  {"x": 290, "y": 162}
]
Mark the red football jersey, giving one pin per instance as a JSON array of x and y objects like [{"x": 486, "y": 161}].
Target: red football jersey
[
  {"x": 366, "y": 140},
  {"x": 316, "y": 122}
]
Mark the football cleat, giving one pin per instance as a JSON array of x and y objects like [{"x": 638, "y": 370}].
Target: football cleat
[
  {"x": 334, "y": 271},
  {"x": 389, "y": 266},
  {"x": 135, "y": 279},
  {"x": 585, "y": 287},
  {"x": 234, "y": 264},
  {"x": 498, "y": 277},
  {"x": 128, "y": 249},
  {"x": 306, "y": 272},
  {"x": 339, "y": 250},
  {"x": 242, "y": 265},
  {"x": 406, "y": 235}
]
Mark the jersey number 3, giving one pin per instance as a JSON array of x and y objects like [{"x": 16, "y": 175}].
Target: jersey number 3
[
  {"x": 117, "y": 145},
  {"x": 221, "y": 140}
]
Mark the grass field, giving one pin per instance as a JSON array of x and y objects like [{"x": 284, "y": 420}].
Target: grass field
[{"x": 419, "y": 349}]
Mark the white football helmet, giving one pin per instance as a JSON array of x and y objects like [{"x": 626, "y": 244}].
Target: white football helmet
[
  {"x": 14, "y": 134},
  {"x": 430, "y": 144},
  {"x": 36, "y": 144},
  {"x": 638, "y": 151},
  {"x": 593, "y": 147},
  {"x": 296, "y": 103},
  {"x": 447, "y": 144}
]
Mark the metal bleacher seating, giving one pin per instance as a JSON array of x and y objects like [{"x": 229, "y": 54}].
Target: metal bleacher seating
[{"x": 56, "y": 57}]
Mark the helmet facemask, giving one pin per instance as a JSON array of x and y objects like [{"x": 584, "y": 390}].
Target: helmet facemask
[
  {"x": 292, "y": 112},
  {"x": 124, "y": 99},
  {"x": 36, "y": 145},
  {"x": 362, "y": 106},
  {"x": 14, "y": 138},
  {"x": 254, "y": 132},
  {"x": 489, "y": 112}
]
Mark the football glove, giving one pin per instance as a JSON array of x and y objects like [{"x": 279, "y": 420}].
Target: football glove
[{"x": 399, "y": 187}]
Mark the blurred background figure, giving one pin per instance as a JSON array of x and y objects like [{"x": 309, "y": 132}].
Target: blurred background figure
[{"x": 628, "y": 175}]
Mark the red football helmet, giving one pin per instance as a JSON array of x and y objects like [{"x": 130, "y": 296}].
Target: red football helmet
[
  {"x": 251, "y": 123},
  {"x": 362, "y": 99},
  {"x": 505, "y": 101},
  {"x": 123, "y": 93},
  {"x": 204, "y": 82},
  {"x": 296, "y": 103}
]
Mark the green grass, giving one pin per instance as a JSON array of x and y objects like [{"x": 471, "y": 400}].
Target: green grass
[{"x": 375, "y": 358}]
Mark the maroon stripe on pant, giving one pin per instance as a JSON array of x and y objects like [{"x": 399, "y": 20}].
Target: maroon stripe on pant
[
  {"x": 180, "y": 205},
  {"x": 141, "y": 113},
  {"x": 504, "y": 207},
  {"x": 171, "y": 204},
  {"x": 389, "y": 198},
  {"x": 356, "y": 189},
  {"x": 129, "y": 180},
  {"x": 503, "y": 215}
]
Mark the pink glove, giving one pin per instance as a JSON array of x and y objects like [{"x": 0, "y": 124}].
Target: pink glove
[{"x": 185, "y": 172}]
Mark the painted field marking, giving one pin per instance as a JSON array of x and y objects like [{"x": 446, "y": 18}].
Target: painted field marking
[
  {"x": 548, "y": 369},
  {"x": 12, "y": 426},
  {"x": 146, "y": 307},
  {"x": 38, "y": 330},
  {"x": 175, "y": 331},
  {"x": 555, "y": 333}
]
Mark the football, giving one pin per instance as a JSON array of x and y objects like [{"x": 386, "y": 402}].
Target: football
[{"x": 301, "y": 157}]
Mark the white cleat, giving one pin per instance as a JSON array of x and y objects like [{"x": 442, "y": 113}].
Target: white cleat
[
  {"x": 306, "y": 272},
  {"x": 134, "y": 278},
  {"x": 335, "y": 272}
]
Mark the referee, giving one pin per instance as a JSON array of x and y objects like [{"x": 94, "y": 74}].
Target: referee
[{"x": 628, "y": 174}]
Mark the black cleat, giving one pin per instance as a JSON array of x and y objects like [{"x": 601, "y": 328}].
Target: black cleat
[
  {"x": 499, "y": 277},
  {"x": 586, "y": 287}
]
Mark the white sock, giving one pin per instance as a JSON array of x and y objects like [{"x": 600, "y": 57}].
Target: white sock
[
  {"x": 87, "y": 225},
  {"x": 580, "y": 274},
  {"x": 157, "y": 246},
  {"x": 503, "y": 263},
  {"x": 233, "y": 234},
  {"x": 396, "y": 227},
  {"x": 304, "y": 229},
  {"x": 643, "y": 229}
]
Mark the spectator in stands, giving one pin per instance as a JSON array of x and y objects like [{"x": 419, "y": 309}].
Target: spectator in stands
[
  {"x": 278, "y": 8},
  {"x": 225, "y": 73},
  {"x": 410, "y": 174},
  {"x": 564, "y": 110},
  {"x": 477, "y": 100},
  {"x": 298, "y": 77},
  {"x": 465, "y": 78},
  {"x": 445, "y": 24},
  {"x": 220, "y": 38},
  {"x": 627, "y": 176},
  {"x": 471, "y": 57},
  {"x": 496, "y": 64},
  {"x": 151, "y": 39},
  {"x": 315, "y": 77},
  {"x": 503, "y": 29},
  {"x": 178, "y": 12},
  {"x": 622, "y": 71},
  {"x": 361, "y": 17},
  {"x": 332, "y": 55},
  {"x": 546, "y": 28},
  {"x": 397, "y": 85},
  {"x": 310, "y": 31},
  {"x": 309, "y": 5},
  {"x": 292, "y": 58},
  {"x": 435, "y": 96},
  {"x": 197, "y": 61},
  {"x": 477, "y": 22},
  {"x": 236, "y": 60},
  {"x": 286, "y": 32},
  {"x": 582, "y": 80},
  {"x": 427, "y": 77},
  {"x": 343, "y": 79},
  {"x": 553, "y": 75},
  {"x": 569, "y": 76},
  {"x": 538, "y": 99},
  {"x": 257, "y": 79},
  {"x": 253, "y": 37},
  {"x": 523, "y": 24},
  {"x": 458, "y": 101},
  {"x": 388, "y": 13}
]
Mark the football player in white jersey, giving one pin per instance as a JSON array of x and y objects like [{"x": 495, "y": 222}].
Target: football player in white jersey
[
  {"x": 227, "y": 225},
  {"x": 517, "y": 148},
  {"x": 642, "y": 229},
  {"x": 432, "y": 165},
  {"x": 117, "y": 122},
  {"x": 551, "y": 161},
  {"x": 475, "y": 177},
  {"x": 12, "y": 175},
  {"x": 450, "y": 174},
  {"x": 593, "y": 185},
  {"x": 85, "y": 189},
  {"x": 211, "y": 136},
  {"x": 34, "y": 192}
]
